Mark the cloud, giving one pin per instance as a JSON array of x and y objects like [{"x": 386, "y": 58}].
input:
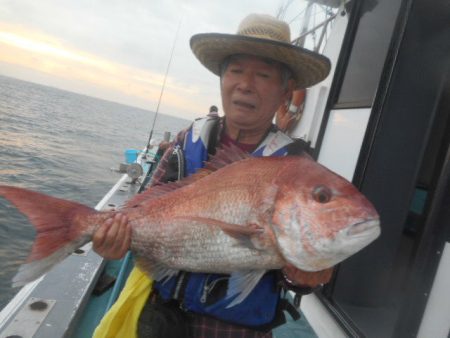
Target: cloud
[
  {"x": 133, "y": 85},
  {"x": 119, "y": 50}
]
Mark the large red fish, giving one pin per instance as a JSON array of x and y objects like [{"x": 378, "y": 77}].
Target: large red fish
[{"x": 241, "y": 215}]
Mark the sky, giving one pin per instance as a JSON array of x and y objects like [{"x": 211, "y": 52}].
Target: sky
[{"x": 119, "y": 50}]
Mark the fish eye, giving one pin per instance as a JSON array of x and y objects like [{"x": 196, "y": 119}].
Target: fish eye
[{"x": 321, "y": 194}]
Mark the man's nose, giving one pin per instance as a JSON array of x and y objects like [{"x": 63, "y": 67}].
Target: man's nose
[{"x": 247, "y": 82}]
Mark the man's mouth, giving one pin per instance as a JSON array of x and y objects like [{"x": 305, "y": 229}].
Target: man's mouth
[{"x": 245, "y": 105}]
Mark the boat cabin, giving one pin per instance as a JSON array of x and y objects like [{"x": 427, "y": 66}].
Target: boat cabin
[{"x": 382, "y": 120}]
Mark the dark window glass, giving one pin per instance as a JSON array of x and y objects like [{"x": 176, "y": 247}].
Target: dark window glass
[{"x": 369, "y": 52}]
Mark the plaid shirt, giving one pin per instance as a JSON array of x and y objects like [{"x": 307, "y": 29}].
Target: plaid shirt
[{"x": 207, "y": 327}]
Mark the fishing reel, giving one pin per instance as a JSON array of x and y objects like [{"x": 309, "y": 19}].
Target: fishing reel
[{"x": 133, "y": 170}]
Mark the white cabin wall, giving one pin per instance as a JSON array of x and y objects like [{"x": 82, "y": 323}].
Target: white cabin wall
[
  {"x": 316, "y": 96},
  {"x": 339, "y": 152},
  {"x": 342, "y": 125},
  {"x": 322, "y": 322},
  {"x": 343, "y": 140}
]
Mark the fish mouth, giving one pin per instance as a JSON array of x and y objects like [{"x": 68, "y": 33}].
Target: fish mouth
[{"x": 370, "y": 225}]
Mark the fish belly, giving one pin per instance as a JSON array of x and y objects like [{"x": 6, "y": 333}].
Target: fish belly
[{"x": 193, "y": 246}]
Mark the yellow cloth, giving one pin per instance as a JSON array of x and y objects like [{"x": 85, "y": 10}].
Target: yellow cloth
[{"x": 121, "y": 320}]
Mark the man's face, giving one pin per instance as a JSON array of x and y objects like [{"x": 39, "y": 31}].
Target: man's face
[{"x": 252, "y": 90}]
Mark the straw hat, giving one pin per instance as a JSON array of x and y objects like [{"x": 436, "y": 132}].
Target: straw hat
[{"x": 264, "y": 36}]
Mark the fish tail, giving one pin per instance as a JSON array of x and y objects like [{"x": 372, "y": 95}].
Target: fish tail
[{"x": 61, "y": 227}]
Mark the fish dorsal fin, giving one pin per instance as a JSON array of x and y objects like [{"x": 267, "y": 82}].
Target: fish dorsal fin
[
  {"x": 151, "y": 193},
  {"x": 225, "y": 155}
]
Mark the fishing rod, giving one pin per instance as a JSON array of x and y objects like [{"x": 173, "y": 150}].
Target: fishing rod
[{"x": 163, "y": 85}]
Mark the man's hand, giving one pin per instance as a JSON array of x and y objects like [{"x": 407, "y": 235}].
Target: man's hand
[
  {"x": 306, "y": 278},
  {"x": 113, "y": 238}
]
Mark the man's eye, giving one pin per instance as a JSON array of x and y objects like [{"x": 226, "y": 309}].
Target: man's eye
[
  {"x": 236, "y": 70},
  {"x": 264, "y": 75}
]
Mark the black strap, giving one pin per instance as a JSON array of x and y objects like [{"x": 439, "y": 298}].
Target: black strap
[
  {"x": 280, "y": 317},
  {"x": 298, "y": 147},
  {"x": 214, "y": 137},
  {"x": 285, "y": 305},
  {"x": 180, "y": 286}
]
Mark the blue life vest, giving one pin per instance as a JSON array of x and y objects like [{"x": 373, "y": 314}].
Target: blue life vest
[{"x": 205, "y": 293}]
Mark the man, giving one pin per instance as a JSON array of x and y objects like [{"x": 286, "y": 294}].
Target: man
[
  {"x": 258, "y": 69},
  {"x": 213, "y": 111}
]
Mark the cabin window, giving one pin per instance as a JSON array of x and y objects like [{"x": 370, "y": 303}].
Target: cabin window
[{"x": 369, "y": 51}]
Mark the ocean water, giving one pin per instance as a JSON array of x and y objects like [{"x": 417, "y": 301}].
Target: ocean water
[{"x": 62, "y": 144}]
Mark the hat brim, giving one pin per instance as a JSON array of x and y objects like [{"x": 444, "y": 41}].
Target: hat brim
[{"x": 308, "y": 68}]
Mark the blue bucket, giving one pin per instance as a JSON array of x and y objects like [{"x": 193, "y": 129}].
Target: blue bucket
[{"x": 131, "y": 155}]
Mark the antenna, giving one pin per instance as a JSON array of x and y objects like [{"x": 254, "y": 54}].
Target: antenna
[{"x": 163, "y": 85}]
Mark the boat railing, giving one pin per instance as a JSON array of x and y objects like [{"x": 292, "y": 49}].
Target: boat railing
[{"x": 53, "y": 305}]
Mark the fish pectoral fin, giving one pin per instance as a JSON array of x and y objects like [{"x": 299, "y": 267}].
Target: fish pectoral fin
[
  {"x": 241, "y": 284},
  {"x": 234, "y": 230},
  {"x": 162, "y": 273},
  {"x": 157, "y": 271}
]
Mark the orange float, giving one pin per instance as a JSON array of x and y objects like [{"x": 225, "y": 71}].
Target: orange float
[{"x": 289, "y": 113}]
